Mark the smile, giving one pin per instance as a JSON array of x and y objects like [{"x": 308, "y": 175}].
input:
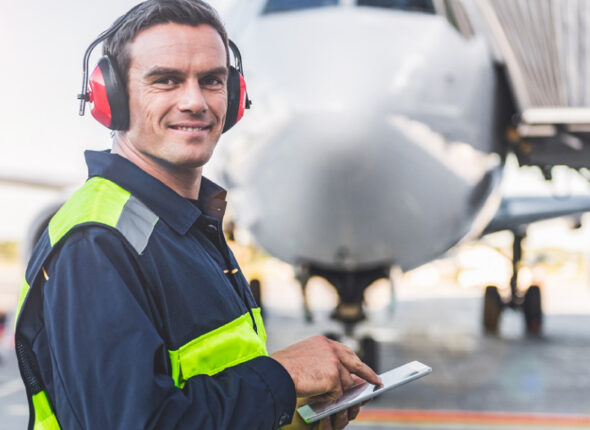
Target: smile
[{"x": 190, "y": 129}]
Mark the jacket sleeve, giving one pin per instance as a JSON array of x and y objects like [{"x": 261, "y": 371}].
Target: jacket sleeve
[{"x": 107, "y": 363}]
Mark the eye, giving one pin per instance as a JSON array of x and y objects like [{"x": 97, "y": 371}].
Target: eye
[
  {"x": 212, "y": 81},
  {"x": 167, "y": 81}
]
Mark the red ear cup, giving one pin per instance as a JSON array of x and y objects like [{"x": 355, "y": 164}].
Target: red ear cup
[
  {"x": 243, "y": 98},
  {"x": 237, "y": 98},
  {"x": 97, "y": 97},
  {"x": 107, "y": 96}
]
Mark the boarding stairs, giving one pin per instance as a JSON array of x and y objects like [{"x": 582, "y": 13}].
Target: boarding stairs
[{"x": 544, "y": 47}]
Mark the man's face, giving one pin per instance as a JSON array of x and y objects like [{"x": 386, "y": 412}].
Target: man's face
[{"x": 177, "y": 94}]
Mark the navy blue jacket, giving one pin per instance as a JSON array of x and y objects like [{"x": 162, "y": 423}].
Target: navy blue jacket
[{"x": 111, "y": 315}]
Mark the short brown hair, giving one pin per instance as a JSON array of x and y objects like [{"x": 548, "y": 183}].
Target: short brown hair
[{"x": 153, "y": 12}]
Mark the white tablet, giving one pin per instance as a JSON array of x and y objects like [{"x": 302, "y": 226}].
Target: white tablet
[{"x": 313, "y": 412}]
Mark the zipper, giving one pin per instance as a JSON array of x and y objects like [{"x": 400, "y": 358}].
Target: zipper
[{"x": 229, "y": 271}]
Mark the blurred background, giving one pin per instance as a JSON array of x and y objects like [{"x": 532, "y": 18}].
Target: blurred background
[{"x": 344, "y": 92}]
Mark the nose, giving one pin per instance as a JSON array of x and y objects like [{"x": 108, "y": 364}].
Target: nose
[{"x": 191, "y": 98}]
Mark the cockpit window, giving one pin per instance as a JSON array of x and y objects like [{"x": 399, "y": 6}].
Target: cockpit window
[
  {"x": 290, "y": 5},
  {"x": 424, "y": 6}
]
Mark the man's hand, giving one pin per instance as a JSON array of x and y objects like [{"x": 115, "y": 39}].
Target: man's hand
[
  {"x": 335, "y": 422},
  {"x": 322, "y": 367}
]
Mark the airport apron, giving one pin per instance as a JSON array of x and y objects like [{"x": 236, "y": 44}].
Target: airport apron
[{"x": 102, "y": 202}]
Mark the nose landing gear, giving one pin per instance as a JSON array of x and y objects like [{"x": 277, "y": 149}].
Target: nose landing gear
[
  {"x": 529, "y": 303},
  {"x": 350, "y": 286}
]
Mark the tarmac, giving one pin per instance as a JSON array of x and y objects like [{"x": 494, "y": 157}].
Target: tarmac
[
  {"x": 509, "y": 381},
  {"x": 480, "y": 382}
]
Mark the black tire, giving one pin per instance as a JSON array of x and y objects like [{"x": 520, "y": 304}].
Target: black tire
[
  {"x": 533, "y": 312},
  {"x": 369, "y": 352},
  {"x": 492, "y": 309}
]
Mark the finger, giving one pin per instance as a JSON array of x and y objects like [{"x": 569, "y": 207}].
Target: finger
[
  {"x": 353, "y": 412},
  {"x": 356, "y": 381},
  {"x": 361, "y": 369},
  {"x": 340, "y": 420},
  {"x": 354, "y": 364},
  {"x": 325, "y": 424},
  {"x": 346, "y": 378}
]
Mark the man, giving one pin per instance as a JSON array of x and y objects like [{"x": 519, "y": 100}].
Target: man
[{"x": 134, "y": 312}]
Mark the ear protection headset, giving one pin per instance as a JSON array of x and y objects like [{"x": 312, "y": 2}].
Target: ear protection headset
[{"x": 106, "y": 92}]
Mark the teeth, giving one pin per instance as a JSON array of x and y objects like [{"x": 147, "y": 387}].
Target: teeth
[{"x": 189, "y": 128}]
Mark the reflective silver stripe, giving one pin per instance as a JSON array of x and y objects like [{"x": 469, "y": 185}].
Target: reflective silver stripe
[{"x": 137, "y": 223}]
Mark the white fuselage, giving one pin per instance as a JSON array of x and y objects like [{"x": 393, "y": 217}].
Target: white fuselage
[{"x": 374, "y": 138}]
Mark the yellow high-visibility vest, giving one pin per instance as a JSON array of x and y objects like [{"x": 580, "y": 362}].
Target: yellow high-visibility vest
[{"x": 103, "y": 202}]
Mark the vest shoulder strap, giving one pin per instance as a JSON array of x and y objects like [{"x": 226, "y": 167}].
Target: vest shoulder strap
[
  {"x": 101, "y": 201},
  {"x": 98, "y": 202}
]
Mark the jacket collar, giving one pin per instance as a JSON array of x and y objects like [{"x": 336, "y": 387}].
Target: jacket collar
[{"x": 178, "y": 212}]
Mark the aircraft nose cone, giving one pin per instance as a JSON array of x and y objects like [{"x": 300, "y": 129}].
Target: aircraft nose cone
[{"x": 338, "y": 168}]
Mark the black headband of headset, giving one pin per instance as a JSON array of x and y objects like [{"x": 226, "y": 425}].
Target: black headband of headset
[{"x": 84, "y": 97}]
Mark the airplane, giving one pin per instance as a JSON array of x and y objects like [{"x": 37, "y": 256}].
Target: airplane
[{"x": 378, "y": 137}]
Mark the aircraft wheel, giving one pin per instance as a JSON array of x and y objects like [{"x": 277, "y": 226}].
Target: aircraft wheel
[
  {"x": 369, "y": 352},
  {"x": 492, "y": 308},
  {"x": 533, "y": 314}
]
